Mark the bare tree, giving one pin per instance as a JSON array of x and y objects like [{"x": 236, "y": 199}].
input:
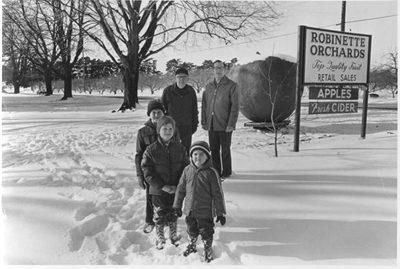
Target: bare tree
[
  {"x": 276, "y": 84},
  {"x": 199, "y": 78},
  {"x": 15, "y": 53},
  {"x": 152, "y": 81},
  {"x": 391, "y": 66},
  {"x": 136, "y": 30},
  {"x": 35, "y": 22},
  {"x": 69, "y": 19},
  {"x": 385, "y": 75}
]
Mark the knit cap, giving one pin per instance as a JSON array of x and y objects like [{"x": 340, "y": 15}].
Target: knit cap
[
  {"x": 181, "y": 71},
  {"x": 154, "y": 104},
  {"x": 201, "y": 145},
  {"x": 163, "y": 121}
]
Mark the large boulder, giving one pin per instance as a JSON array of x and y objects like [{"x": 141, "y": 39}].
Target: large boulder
[{"x": 264, "y": 85}]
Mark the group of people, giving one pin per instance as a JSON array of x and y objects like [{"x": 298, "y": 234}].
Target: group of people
[{"x": 172, "y": 169}]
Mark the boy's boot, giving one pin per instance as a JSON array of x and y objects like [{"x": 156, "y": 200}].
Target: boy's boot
[
  {"x": 160, "y": 242},
  {"x": 173, "y": 233},
  {"x": 191, "y": 248},
  {"x": 208, "y": 254}
]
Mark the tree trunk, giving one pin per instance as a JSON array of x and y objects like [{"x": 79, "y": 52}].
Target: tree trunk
[
  {"x": 49, "y": 88},
  {"x": 67, "y": 82},
  {"x": 131, "y": 79},
  {"x": 16, "y": 80},
  {"x": 16, "y": 88}
]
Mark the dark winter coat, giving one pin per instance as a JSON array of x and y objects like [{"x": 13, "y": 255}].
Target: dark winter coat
[
  {"x": 220, "y": 105},
  {"x": 163, "y": 164},
  {"x": 146, "y": 136},
  {"x": 181, "y": 105},
  {"x": 202, "y": 190}
]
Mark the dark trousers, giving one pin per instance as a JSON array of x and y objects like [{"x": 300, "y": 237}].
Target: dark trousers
[
  {"x": 163, "y": 211},
  {"x": 220, "y": 145},
  {"x": 203, "y": 227},
  {"x": 185, "y": 133},
  {"x": 149, "y": 205}
]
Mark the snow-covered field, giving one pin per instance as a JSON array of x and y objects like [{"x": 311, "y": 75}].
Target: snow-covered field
[{"x": 69, "y": 191}]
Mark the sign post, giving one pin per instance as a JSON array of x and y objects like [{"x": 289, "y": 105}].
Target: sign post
[
  {"x": 299, "y": 86},
  {"x": 364, "y": 113},
  {"x": 335, "y": 60}
]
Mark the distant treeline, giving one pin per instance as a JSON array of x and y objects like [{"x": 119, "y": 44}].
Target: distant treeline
[{"x": 95, "y": 75}]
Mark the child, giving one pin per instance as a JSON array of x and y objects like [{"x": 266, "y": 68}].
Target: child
[
  {"x": 146, "y": 136},
  {"x": 201, "y": 187},
  {"x": 162, "y": 164}
]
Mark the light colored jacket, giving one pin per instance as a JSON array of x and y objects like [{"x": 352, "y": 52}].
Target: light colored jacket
[
  {"x": 201, "y": 188},
  {"x": 220, "y": 105}
]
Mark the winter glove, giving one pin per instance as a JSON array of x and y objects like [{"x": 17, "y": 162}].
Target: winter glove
[
  {"x": 141, "y": 183},
  {"x": 229, "y": 129},
  {"x": 221, "y": 219},
  {"x": 169, "y": 189},
  {"x": 178, "y": 212}
]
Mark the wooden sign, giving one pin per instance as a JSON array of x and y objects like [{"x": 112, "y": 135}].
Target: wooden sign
[
  {"x": 332, "y": 107},
  {"x": 333, "y": 93},
  {"x": 332, "y": 57}
]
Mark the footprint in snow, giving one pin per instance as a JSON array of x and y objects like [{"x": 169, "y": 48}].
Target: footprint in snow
[
  {"x": 87, "y": 229},
  {"x": 85, "y": 211}
]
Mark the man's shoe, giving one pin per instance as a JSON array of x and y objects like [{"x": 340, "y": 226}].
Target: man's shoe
[
  {"x": 223, "y": 177},
  {"x": 148, "y": 228}
]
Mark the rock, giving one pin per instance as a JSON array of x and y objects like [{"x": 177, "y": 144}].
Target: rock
[{"x": 262, "y": 83}]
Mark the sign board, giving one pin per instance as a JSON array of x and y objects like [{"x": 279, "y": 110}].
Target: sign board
[
  {"x": 333, "y": 93},
  {"x": 332, "y": 107},
  {"x": 332, "y": 57}
]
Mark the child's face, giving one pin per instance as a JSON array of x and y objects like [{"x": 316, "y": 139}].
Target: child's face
[
  {"x": 199, "y": 157},
  {"x": 155, "y": 115},
  {"x": 166, "y": 131}
]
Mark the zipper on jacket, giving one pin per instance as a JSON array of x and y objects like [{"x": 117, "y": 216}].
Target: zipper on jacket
[{"x": 213, "y": 106}]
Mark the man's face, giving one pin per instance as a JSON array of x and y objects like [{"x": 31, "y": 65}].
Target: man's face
[
  {"x": 219, "y": 70},
  {"x": 166, "y": 132},
  {"x": 181, "y": 80},
  {"x": 155, "y": 115}
]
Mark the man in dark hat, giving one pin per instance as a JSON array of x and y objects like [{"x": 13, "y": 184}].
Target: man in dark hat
[{"x": 180, "y": 102}]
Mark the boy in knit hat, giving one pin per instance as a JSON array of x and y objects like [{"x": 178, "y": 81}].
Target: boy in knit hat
[
  {"x": 146, "y": 136},
  {"x": 200, "y": 185},
  {"x": 162, "y": 164}
]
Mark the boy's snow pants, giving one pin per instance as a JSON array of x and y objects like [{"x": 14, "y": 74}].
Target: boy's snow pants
[
  {"x": 163, "y": 211},
  {"x": 202, "y": 226},
  {"x": 149, "y": 206}
]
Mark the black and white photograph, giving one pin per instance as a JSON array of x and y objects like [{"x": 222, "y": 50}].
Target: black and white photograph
[{"x": 199, "y": 133}]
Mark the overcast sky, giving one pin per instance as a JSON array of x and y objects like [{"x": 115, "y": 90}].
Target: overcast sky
[{"x": 377, "y": 18}]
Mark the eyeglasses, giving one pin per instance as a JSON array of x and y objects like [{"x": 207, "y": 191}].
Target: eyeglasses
[{"x": 219, "y": 68}]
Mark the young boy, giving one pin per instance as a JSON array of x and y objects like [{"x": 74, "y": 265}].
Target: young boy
[
  {"x": 162, "y": 164},
  {"x": 201, "y": 187},
  {"x": 146, "y": 136}
]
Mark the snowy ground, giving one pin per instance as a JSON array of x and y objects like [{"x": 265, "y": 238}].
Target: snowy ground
[{"x": 69, "y": 192}]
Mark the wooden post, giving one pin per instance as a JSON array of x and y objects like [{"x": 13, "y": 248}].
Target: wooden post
[
  {"x": 343, "y": 21},
  {"x": 299, "y": 85},
  {"x": 364, "y": 113}
]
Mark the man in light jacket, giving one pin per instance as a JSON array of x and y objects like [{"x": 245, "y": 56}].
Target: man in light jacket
[{"x": 219, "y": 114}]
